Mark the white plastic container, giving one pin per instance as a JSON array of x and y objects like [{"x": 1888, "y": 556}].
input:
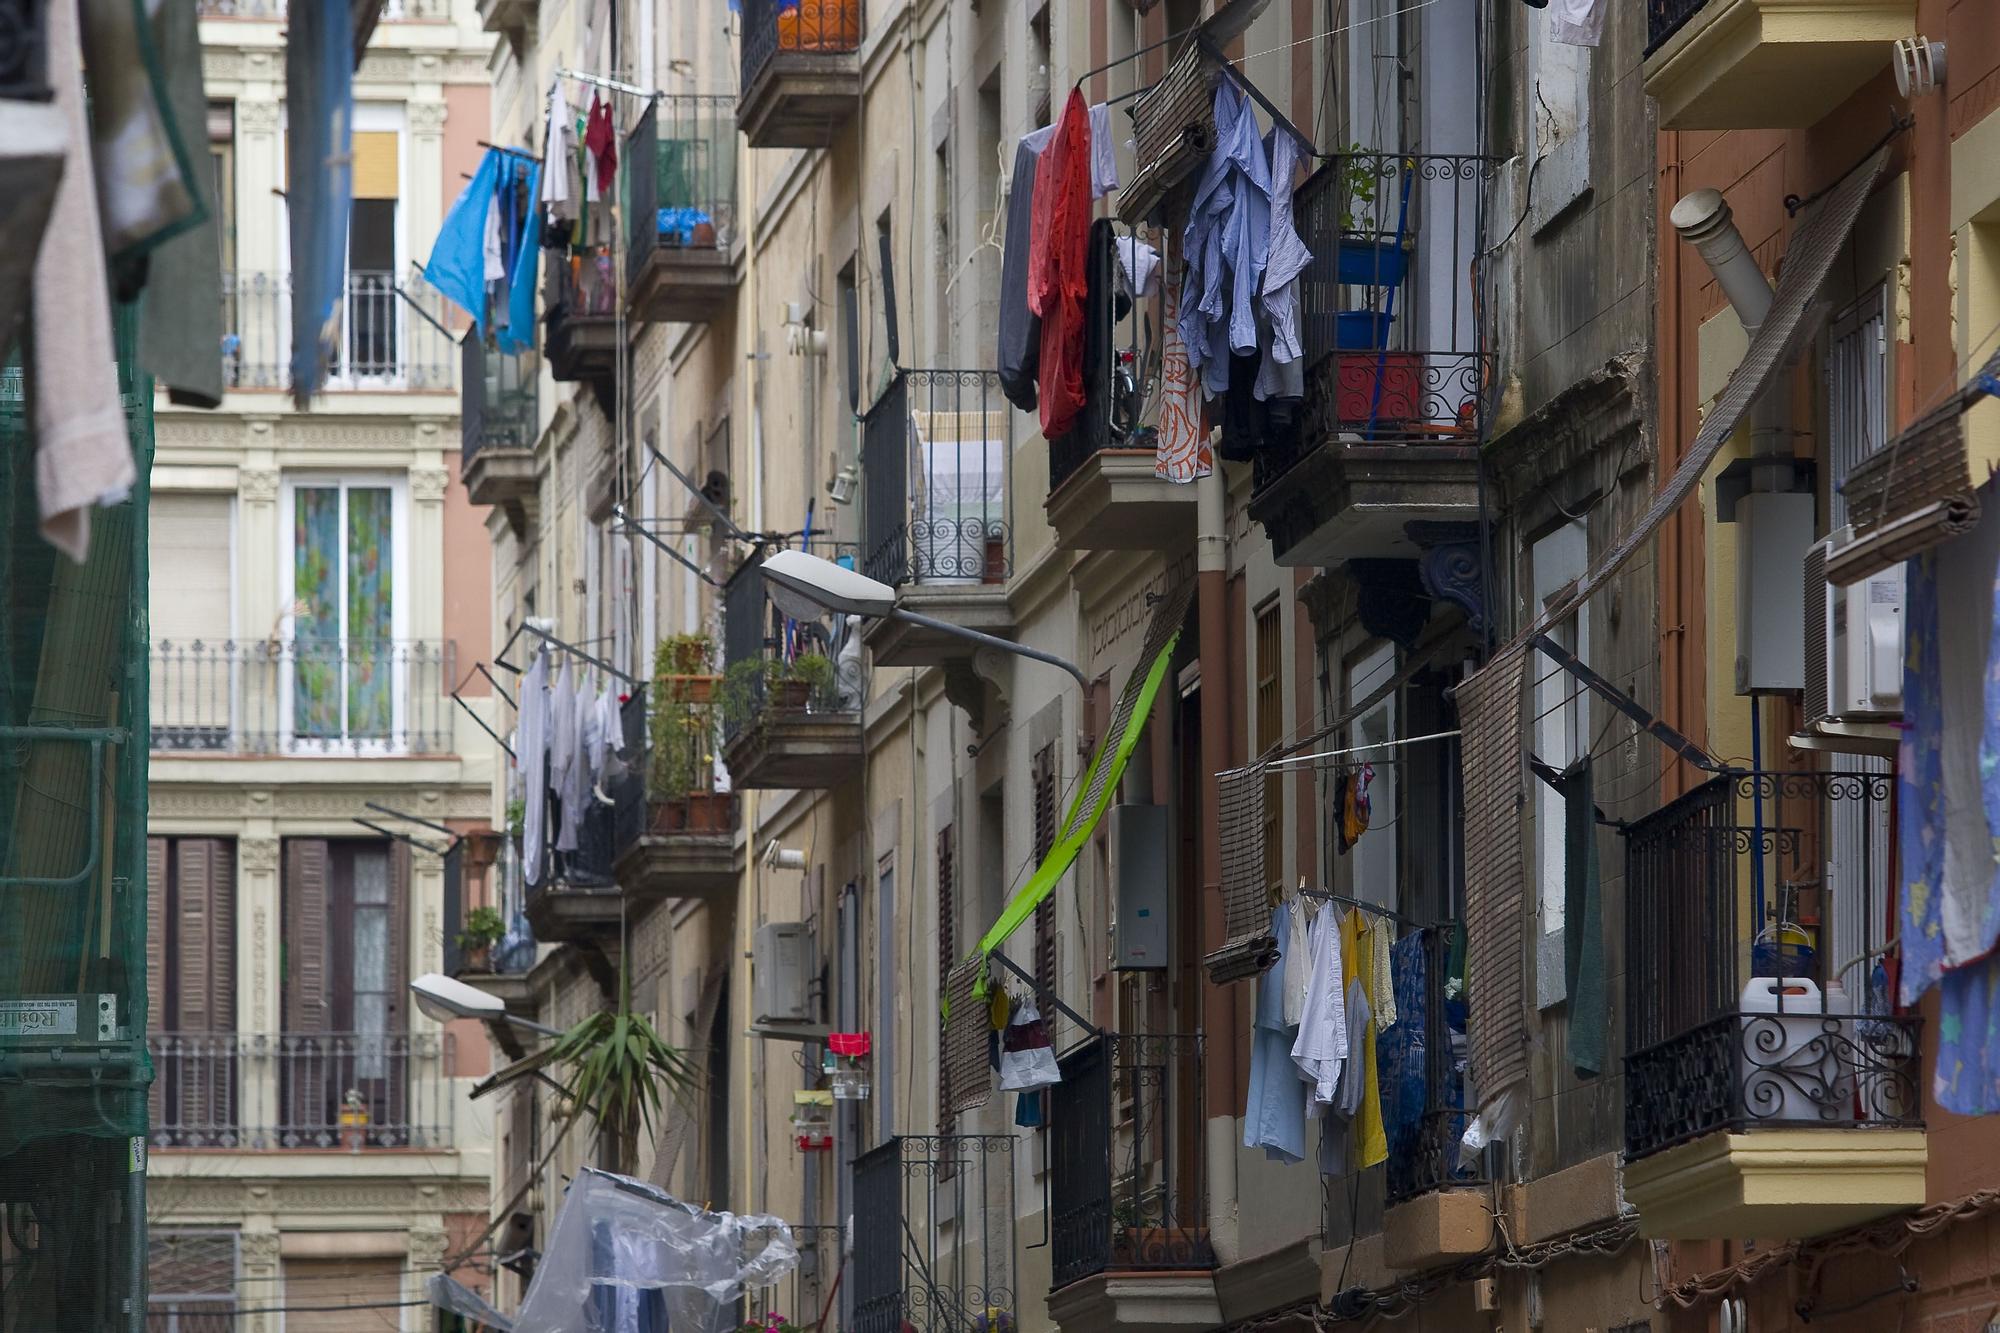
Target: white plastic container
[{"x": 1793, "y": 1066}]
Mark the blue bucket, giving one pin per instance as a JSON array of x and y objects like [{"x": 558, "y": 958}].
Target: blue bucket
[
  {"x": 1360, "y": 330},
  {"x": 1365, "y": 263}
]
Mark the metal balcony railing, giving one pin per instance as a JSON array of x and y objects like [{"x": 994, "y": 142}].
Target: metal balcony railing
[
  {"x": 934, "y": 1234},
  {"x": 1664, "y": 18},
  {"x": 688, "y": 200},
  {"x": 275, "y": 9},
  {"x": 1126, "y": 1162},
  {"x": 1423, "y": 1061},
  {"x": 1715, "y": 1039},
  {"x": 301, "y": 696},
  {"x": 811, "y": 27},
  {"x": 1394, "y": 348},
  {"x": 497, "y": 398},
  {"x": 386, "y": 341},
  {"x": 937, "y": 460},
  {"x": 319, "y": 1091},
  {"x": 772, "y": 663}
]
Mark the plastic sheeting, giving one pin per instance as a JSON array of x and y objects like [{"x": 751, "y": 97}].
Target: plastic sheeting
[{"x": 625, "y": 1257}]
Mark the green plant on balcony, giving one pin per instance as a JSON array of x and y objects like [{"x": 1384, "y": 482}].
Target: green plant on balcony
[
  {"x": 748, "y": 686},
  {"x": 483, "y": 929},
  {"x": 681, "y": 737},
  {"x": 769, "y": 1323},
  {"x": 517, "y": 818},
  {"x": 619, "y": 1067}
]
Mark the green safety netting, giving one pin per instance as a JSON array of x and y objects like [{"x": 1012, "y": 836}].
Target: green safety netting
[{"x": 73, "y": 966}]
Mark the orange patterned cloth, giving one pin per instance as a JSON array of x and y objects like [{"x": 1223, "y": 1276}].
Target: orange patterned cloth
[
  {"x": 1181, "y": 452},
  {"x": 820, "y": 25}
]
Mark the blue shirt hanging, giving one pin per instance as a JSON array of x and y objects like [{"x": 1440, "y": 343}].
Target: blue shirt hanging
[
  {"x": 457, "y": 264},
  {"x": 517, "y": 334}
]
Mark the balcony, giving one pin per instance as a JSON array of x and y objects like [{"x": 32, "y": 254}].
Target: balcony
[
  {"x": 675, "y": 834},
  {"x": 791, "y": 715},
  {"x": 1438, "y": 1205},
  {"x": 578, "y": 899},
  {"x": 1103, "y": 495},
  {"x": 499, "y": 419},
  {"x": 1753, "y": 1107},
  {"x": 1389, "y": 432},
  {"x": 937, "y": 462},
  {"x": 1765, "y": 64},
  {"x": 320, "y": 1092},
  {"x": 683, "y": 211},
  {"x": 391, "y": 10},
  {"x": 302, "y": 697},
  {"x": 580, "y": 313},
  {"x": 1129, "y": 1193},
  {"x": 392, "y": 339},
  {"x": 514, "y": 19},
  {"x": 801, "y": 70},
  {"x": 934, "y": 1235}
]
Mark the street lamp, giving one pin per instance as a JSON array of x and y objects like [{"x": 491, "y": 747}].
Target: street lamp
[
  {"x": 445, "y": 998},
  {"x": 805, "y": 586}
]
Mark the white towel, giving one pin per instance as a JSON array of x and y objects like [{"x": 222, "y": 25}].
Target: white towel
[
  {"x": 1576, "y": 22},
  {"x": 558, "y": 154}
]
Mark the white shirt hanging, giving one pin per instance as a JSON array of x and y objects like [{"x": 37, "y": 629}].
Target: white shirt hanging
[{"x": 558, "y": 154}]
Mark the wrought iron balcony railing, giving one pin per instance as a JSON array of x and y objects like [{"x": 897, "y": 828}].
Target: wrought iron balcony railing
[
  {"x": 1394, "y": 350},
  {"x": 934, "y": 1234},
  {"x": 1729, "y": 1033},
  {"x": 497, "y": 398},
  {"x": 318, "y": 1091},
  {"x": 937, "y": 459},
  {"x": 303, "y": 696},
  {"x": 1422, "y": 1058},
  {"x": 392, "y": 10},
  {"x": 1126, "y": 1161},
  {"x": 391, "y": 338},
  {"x": 1664, "y": 18},
  {"x": 688, "y": 200},
  {"x": 811, "y": 27}
]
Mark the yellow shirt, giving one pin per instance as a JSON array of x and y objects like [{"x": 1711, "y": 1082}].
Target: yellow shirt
[{"x": 1357, "y": 962}]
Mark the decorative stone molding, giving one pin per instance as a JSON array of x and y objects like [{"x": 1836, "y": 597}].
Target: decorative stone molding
[
  {"x": 257, "y": 854},
  {"x": 260, "y": 922},
  {"x": 426, "y": 1246},
  {"x": 425, "y": 861},
  {"x": 1390, "y": 599},
  {"x": 1450, "y": 565},
  {"x": 259, "y": 1249},
  {"x": 201, "y": 1196},
  {"x": 257, "y": 117},
  {"x": 258, "y": 484},
  {"x": 428, "y": 484},
  {"x": 427, "y": 117},
  {"x": 205, "y": 800}
]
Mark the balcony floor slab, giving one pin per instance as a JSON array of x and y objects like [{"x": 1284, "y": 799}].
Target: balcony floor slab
[
  {"x": 1776, "y": 1183},
  {"x": 1113, "y": 502},
  {"x": 976, "y": 606},
  {"x": 1343, "y": 501},
  {"x": 1112, "y": 1301},
  {"x": 1771, "y": 64}
]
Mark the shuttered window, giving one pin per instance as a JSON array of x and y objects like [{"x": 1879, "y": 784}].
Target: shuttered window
[
  {"x": 947, "y": 907},
  {"x": 358, "y": 1284},
  {"x": 1042, "y": 770},
  {"x": 191, "y": 590},
  {"x": 191, "y": 981},
  {"x": 1857, "y": 368},
  {"x": 1270, "y": 727}
]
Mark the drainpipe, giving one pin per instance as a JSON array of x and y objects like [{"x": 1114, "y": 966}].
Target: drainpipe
[{"x": 1218, "y": 1004}]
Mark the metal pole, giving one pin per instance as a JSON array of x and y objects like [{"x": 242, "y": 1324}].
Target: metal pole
[{"x": 991, "y": 641}]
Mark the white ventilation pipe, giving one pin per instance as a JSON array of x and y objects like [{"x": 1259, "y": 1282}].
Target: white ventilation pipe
[{"x": 1703, "y": 220}]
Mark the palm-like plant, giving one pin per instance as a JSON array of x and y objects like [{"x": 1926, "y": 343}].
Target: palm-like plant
[{"x": 618, "y": 1065}]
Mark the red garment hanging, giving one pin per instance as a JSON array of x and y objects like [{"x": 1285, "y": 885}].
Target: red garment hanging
[
  {"x": 1056, "y": 276},
  {"x": 602, "y": 141}
]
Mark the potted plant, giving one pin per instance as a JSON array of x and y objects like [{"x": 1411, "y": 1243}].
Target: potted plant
[
  {"x": 618, "y": 1066},
  {"x": 517, "y": 818},
  {"x": 483, "y": 929},
  {"x": 769, "y": 1323},
  {"x": 803, "y": 679},
  {"x": 681, "y": 739},
  {"x": 353, "y": 1121},
  {"x": 681, "y": 669}
]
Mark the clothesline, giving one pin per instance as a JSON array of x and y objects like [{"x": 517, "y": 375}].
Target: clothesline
[
  {"x": 1360, "y": 904},
  {"x": 1363, "y": 749}
]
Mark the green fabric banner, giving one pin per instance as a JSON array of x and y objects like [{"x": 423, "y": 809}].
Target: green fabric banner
[{"x": 1114, "y": 750}]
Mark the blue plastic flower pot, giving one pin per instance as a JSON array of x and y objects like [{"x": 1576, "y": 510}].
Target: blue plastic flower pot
[
  {"x": 1370, "y": 263},
  {"x": 1360, "y": 330}
]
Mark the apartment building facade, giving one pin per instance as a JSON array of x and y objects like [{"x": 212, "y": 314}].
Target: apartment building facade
[
  {"x": 319, "y": 587},
  {"x": 1482, "y": 588}
]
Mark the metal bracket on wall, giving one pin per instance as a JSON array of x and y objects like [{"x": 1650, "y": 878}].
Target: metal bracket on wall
[{"x": 1626, "y": 704}]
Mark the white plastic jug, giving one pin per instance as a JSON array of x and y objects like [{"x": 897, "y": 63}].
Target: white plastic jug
[{"x": 1792, "y": 1065}]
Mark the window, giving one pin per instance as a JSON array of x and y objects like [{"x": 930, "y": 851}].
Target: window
[
  {"x": 947, "y": 928},
  {"x": 1270, "y": 729},
  {"x": 341, "y": 575},
  {"x": 885, "y": 306},
  {"x": 887, "y": 991},
  {"x": 222, "y": 182},
  {"x": 1857, "y": 366},
  {"x": 191, "y": 1281},
  {"x": 1377, "y": 865},
  {"x": 311, "y": 1285},
  {"x": 1558, "y": 113},
  {"x": 194, "y": 672},
  {"x": 1560, "y": 718},
  {"x": 345, "y": 909},
  {"x": 191, "y": 989},
  {"x": 1042, "y": 777}
]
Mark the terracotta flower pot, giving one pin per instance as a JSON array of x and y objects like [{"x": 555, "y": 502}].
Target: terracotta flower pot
[{"x": 692, "y": 689}]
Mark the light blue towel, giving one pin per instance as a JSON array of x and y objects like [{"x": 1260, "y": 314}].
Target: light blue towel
[
  {"x": 518, "y": 334},
  {"x": 457, "y": 265}
]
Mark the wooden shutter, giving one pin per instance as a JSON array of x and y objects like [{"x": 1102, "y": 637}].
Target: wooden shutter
[
  {"x": 157, "y": 886},
  {"x": 204, "y": 914},
  {"x": 305, "y": 943},
  {"x": 1042, "y": 769},
  {"x": 375, "y": 175},
  {"x": 312, "y": 1285},
  {"x": 399, "y": 930},
  {"x": 947, "y": 905}
]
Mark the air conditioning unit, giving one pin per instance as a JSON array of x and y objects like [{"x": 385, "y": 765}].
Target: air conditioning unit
[
  {"x": 1853, "y": 641},
  {"x": 781, "y": 967}
]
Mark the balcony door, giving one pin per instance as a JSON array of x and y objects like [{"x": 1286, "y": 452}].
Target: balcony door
[
  {"x": 343, "y": 676},
  {"x": 191, "y": 990},
  {"x": 344, "y": 1071}
]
